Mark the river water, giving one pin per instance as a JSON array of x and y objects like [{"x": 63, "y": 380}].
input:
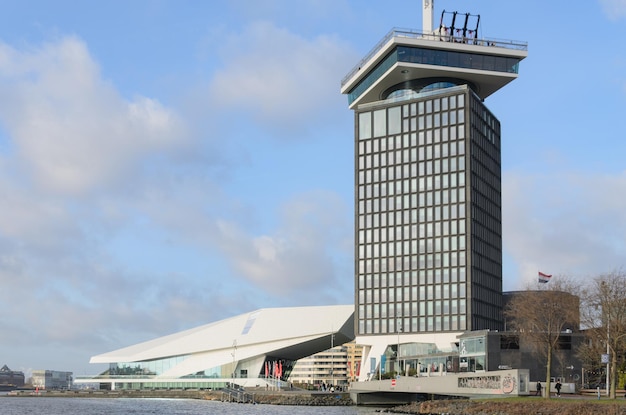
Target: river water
[{"x": 131, "y": 406}]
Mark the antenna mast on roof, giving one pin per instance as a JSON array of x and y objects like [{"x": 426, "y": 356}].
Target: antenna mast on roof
[
  {"x": 427, "y": 16},
  {"x": 464, "y": 32}
]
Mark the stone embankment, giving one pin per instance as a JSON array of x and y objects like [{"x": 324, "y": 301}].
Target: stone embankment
[
  {"x": 302, "y": 399},
  {"x": 295, "y": 397},
  {"x": 578, "y": 405},
  {"x": 504, "y": 407}
]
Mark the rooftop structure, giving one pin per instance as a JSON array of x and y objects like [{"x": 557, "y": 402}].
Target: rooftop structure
[{"x": 412, "y": 59}]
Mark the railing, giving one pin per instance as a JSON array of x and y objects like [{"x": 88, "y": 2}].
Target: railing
[
  {"x": 237, "y": 395},
  {"x": 435, "y": 36},
  {"x": 79, "y": 377}
]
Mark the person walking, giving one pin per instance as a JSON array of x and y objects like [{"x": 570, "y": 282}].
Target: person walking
[
  {"x": 558, "y": 388},
  {"x": 538, "y": 393}
]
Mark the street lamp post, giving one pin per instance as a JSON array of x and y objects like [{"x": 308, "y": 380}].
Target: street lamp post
[
  {"x": 332, "y": 358},
  {"x": 398, "y": 347},
  {"x": 606, "y": 291},
  {"x": 232, "y": 384},
  {"x": 608, "y": 355}
]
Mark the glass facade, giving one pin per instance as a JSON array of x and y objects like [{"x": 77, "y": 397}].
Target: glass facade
[
  {"x": 143, "y": 375},
  {"x": 486, "y": 218},
  {"x": 472, "y": 353},
  {"x": 435, "y": 57},
  {"x": 150, "y": 367},
  {"x": 415, "y": 218}
]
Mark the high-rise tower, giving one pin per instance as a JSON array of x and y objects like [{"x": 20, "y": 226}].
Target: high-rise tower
[{"x": 428, "y": 226}]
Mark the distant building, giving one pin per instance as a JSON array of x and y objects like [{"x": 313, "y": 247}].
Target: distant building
[
  {"x": 336, "y": 366},
  {"x": 52, "y": 379},
  {"x": 10, "y": 379},
  {"x": 355, "y": 354}
]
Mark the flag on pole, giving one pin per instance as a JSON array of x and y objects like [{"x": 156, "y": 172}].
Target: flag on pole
[{"x": 544, "y": 278}]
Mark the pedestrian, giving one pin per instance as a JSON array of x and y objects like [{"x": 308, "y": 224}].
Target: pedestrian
[
  {"x": 558, "y": 388},
  {"x": 538, "y": 393}
]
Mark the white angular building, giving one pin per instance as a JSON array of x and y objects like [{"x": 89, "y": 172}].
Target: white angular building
[{"x": 253, "y": 349}]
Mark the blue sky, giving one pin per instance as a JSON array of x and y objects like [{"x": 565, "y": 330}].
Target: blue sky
[{"x": 167, "y": 164}]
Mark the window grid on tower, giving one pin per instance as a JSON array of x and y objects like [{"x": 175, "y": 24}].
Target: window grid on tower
[{"x": 412, "y": 216}]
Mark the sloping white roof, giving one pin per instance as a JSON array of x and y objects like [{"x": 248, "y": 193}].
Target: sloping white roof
[{"x": 259, "y": 332}]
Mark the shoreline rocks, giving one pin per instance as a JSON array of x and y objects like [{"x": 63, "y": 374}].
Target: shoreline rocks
[
  {"x": 504, "y": 407},
  {"x": 297, "y": 398},
  {"x": 569, "y": 406}
]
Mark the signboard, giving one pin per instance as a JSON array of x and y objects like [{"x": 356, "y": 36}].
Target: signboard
[
  {"x": 393, "y": 382},
  {"x": 605, "y": 358}
]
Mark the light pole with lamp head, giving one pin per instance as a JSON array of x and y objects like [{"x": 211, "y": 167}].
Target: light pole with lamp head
[
  {"x": 398, "y": 346},
  {"x": 232, "y": 385},
  {"x": 607, "y": 316},
  {"x": 332, "y": 358}
]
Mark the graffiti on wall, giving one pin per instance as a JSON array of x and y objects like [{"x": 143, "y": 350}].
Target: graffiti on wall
[{"x": 504, "y": 383}]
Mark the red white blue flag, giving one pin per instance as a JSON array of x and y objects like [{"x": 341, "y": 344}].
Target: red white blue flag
[{"x": 544, "y": 278}]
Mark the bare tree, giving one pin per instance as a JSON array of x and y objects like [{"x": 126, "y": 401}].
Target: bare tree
[
  {"x": 540, "y": 316},
  {"x": 604, "y": 316}
]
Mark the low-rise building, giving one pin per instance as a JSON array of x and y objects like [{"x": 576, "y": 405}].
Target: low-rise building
[
  {"x": 52, "y": 379},
  {"x": 10, "y": 379},
  {"x": 329, "y": 367},
  {"x": 337, "y": 366},
  {"x": 355, "y": 354}
]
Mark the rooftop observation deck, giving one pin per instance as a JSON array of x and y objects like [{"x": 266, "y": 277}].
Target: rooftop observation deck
[{"x": 405, "y": 55}]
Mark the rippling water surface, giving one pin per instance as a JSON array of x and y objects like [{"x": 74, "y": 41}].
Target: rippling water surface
[{"x": 112, "y": 406}]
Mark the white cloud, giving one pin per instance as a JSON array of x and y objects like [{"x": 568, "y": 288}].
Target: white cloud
[
  {"x": 73, "y": 185},
  {"x": 278, "y": 76},
  {"x": 302, "y": 254},
  {"x": 68, "y": 140},
  {"x": 37, "y": 221},
  {"x": 614, "y": 9},
  {"x": 570, "y": 223},
  {"x": 72, "y": 129}
]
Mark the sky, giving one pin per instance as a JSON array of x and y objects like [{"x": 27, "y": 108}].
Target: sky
[{"x": 166, "y": 164}]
